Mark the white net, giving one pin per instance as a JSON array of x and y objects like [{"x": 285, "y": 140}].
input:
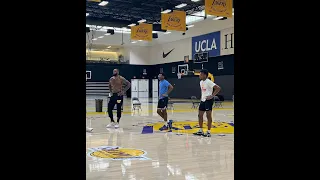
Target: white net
[{"x": 179, "y": 75}]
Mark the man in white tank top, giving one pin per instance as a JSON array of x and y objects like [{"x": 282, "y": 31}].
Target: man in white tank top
[{"x": 208, "y": 90}]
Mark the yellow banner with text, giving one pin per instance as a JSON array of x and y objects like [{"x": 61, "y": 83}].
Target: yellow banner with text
[
  {"x": 142, "y": 32},
  {"x": 219, "y": 8},
  {"x": 94, "y": 0},
  {"x": 175, "y": 21}
]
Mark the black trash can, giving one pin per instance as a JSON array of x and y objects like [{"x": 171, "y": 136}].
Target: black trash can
[{"x": 99, "y": 103}]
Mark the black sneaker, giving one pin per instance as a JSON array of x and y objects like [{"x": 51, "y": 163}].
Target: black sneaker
[
  {"x": 207, "y": 134},
  {"x": 170, "y": 124},
  {"x": 199, "y": 133},
  {"x": 164, "y": 127}
]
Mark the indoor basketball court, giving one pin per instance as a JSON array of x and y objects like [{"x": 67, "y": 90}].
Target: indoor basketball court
[
  {"x": 132, "y": 40},
  {"x": 159, "y": 154}
]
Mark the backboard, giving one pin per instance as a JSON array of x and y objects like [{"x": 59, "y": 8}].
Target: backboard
[
  {"x": 201, "y": 57},
  {"x": 88, "y": 75},
  {"x": 183, "y": 69}
]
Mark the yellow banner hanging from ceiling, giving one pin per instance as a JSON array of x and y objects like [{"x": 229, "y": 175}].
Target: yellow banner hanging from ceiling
[
  {"x": 142, "y": 32},
  {"x": 219, "y": 7},
  {"x": 175, "y": 21}
]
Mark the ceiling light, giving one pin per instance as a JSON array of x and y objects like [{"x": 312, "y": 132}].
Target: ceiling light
[
  {"x": 99, "y": 27},
  {"x": 140, "y": 40},
  {"x": 109, "y": 46},
  {"x": 181, "y": 5},
  {"x": 134, "y": 42},
  {"x": 217, "y": 18},
  {"x": 133, "y": 24},
  {"x": 107, "y": 34},
  {"x": 103, "y": 3},
  {"x": 142, "y": 21},
  {"x": 87, "y": 14},
  {"x": 233, "y": 13},
  {"x": 168, "y": 32},
  {"x": 195, "y": 0},
  {"x": 107, "y": 29},
  {"x": 125, "y": 32},
  {"x": 166, "y": 11},
  {"x": 189, "y": 26},
  {"x": 100, "y": 37},
  {"x": 94, "y": 39}
]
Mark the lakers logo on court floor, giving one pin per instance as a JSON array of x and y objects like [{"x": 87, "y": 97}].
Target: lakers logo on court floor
[
  {"x": 117, "y": 153},
  {"x": 193, "y": 126}
]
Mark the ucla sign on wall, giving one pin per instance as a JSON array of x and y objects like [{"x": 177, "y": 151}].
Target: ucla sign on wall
[
  {"x": 216, "y": 43},
  {"x": 207, "y": 43}
]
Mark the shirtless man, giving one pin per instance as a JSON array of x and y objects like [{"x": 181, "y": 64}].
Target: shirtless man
[{"x": 117, "y": 91}]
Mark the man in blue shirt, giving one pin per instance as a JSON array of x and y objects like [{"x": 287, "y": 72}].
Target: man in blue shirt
[{"x": 164, "y": 89}]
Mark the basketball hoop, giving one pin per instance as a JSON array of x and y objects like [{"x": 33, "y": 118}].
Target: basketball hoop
[{"x": 179, "y": 75}]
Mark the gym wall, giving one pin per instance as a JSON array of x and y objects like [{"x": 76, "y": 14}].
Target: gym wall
[
  {"x": 185, "y": 87},
  {"x": 211, "y": 65},
  {"x": 190, "y": 86},
  {"x": 101, "y": 72}
]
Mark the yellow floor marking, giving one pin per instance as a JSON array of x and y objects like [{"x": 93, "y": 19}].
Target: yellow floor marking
[{"x": 216, "y": 128}]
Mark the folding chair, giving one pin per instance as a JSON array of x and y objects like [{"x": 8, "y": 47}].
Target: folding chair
[
  {"x": 170, "y": 104},
  {"x": 195, "y": 102},
  {"x": 136, "y": 104},
  {"x": 217, "y": 101}
]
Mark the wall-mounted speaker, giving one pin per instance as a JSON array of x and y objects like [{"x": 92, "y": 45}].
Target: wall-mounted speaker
[
  {"x": 154, "y": 35},
  {"x": 111, "y": 31},
  {"x": 157, "y": 27}
]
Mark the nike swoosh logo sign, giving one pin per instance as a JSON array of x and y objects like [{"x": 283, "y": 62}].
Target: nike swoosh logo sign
[{"x": 165, "y": 55}]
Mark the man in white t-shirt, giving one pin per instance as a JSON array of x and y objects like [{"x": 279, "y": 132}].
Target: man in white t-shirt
[{"x": 208, "y": 90}]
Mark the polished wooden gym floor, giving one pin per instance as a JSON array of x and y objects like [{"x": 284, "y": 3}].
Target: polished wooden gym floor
[{"x": 126, "y": 153}]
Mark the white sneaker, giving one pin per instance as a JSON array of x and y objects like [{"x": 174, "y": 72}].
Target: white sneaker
[
  {"x": 89, "y": 129},
  {"x": 116, "y": 125},
  {"x": 111, "y": 125}
]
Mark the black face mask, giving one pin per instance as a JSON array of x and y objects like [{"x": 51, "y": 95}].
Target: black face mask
[{"x": 115, "y": 74}]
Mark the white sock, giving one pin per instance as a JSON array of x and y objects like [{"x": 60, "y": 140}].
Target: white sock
[
  {"x": 166, "y": 123},
  {"x": 200, "y": 130},
  {"x": 208, "y": 131}
]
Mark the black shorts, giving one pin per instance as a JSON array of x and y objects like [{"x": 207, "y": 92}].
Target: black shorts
[
  {"x": 163, "y": 103},
  {"x": 206, "y": 105}
]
